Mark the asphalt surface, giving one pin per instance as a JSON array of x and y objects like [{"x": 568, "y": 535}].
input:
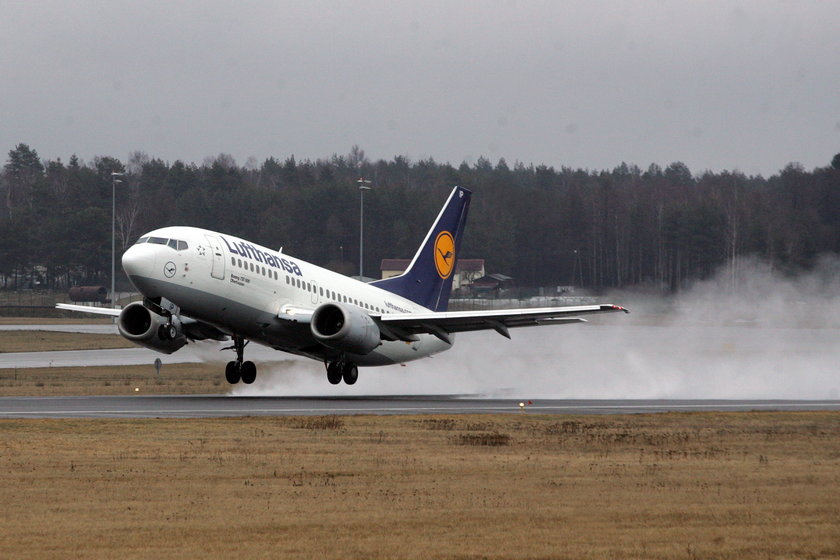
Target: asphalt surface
[
  {"x": 205, "y": 406},
  {"x": 66, "y": 327}
]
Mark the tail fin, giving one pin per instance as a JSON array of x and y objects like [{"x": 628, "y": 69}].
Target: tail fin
[{"x": 428, "y": 279}]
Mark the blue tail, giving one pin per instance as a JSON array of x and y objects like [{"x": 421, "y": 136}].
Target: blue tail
[{"x": 428, "y": 279}]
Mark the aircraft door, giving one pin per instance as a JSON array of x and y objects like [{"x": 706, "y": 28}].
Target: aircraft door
[
  {"x": 218, "y": 270},
  {"x": 314, "y": 292}
]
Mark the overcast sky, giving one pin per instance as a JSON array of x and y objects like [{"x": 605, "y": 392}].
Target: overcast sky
[{"x": 747, "y": 85}]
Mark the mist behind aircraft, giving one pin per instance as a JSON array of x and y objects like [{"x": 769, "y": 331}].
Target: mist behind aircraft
[{"x": 755, "y": 334}]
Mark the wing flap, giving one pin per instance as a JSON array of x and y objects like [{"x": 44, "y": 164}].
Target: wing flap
[{"x": 442, "y": 325}]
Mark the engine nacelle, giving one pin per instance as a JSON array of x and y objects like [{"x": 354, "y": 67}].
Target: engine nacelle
[
  {"x": 142, "y": 326},
  {"x": 344, "y": 327}
]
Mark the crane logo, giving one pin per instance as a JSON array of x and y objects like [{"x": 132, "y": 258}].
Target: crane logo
[{"x": 444, "y": 254}]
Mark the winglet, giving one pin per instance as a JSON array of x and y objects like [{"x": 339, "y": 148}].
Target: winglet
[{"x": 428, "y": 279}]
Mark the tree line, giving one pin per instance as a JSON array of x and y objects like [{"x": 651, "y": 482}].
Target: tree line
[{"x": 659, "y": 227}]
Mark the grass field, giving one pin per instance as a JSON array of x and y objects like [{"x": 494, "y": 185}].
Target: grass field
[
  {"x": 48, "y": 341},
  {"x": 105, "y": 380},
  {"x": 681, "y": 486},
  {"x": 701, "y": 485},
  {"x": 174, "y": 379}
]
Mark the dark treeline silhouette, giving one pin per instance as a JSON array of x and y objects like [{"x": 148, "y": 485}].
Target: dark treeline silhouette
[{"x": 543, "y": 226}]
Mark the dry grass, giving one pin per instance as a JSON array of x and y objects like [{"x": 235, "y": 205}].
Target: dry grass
[
  {"x": 114, "y": 380},
  {"x": 49, "y": 341},
  {"x": 739, "y": 485}
]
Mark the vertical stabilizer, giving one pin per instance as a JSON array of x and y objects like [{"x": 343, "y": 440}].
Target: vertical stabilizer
[{"x": 428, "y": 279}]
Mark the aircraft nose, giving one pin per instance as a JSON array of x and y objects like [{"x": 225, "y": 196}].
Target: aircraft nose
[{"x": 139, "y": 260}]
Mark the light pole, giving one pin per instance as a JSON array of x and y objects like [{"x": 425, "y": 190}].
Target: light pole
[
  {"x": 114, "y": 181},
  {"x": 363, "y": 186}
]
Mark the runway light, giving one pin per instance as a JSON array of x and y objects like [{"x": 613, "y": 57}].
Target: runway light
[
  {"x": 522, "y": 406},
  {"x": 136, "y": 389}
]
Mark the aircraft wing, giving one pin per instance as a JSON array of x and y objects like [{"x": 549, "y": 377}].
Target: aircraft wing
[
  {"x": 90, "y": 309},
  {"x": 402, "y": 326},
  {"x": 196, "y": 330}
]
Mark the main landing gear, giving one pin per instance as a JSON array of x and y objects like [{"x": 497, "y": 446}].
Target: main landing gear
[
  {"x": 336, "y": 371},
  {"x": 238, "y": 369}
]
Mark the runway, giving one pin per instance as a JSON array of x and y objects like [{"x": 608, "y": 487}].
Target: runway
[
  {"x": 210, "y": 406},
  {"x": 590, "y": 369}
]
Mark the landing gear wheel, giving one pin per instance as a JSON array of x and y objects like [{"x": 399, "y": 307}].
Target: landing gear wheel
[
  {"x": 167, "y": 332},
  {"x": 238, "y": 370},
  {"x": 249, "y": 372},
  {"x": 334, "y": 373},
  {"x": 233, "y": 372},
  {"x": 350, "y": 373}
]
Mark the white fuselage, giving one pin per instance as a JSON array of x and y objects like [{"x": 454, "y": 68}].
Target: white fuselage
[{"x": 260, "y": 294}]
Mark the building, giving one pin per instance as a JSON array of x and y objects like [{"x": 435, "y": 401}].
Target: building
[
  {"x": 492, "y": 285},
  {"x": 466, "y": 270}
]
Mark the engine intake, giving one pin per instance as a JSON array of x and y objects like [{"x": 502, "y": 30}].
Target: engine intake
[
  {"x": 141, "y": 326},
  {"x": 345, "y": 327}
]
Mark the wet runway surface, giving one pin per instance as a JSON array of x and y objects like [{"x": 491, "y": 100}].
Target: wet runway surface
[{"x": 205, "y": 406}]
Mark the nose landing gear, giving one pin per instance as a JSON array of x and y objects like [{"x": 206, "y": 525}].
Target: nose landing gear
[{"x": 238, "y": 369}]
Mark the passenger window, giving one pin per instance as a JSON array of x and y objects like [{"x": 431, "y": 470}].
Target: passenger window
[
  {"x": 233, "y": 261},
  {"x": 240, "y": 262}
]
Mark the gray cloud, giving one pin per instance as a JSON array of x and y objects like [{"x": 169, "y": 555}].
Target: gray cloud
[{"x": 719, "y": 85}]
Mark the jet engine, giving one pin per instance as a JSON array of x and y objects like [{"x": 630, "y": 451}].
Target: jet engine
[
  {"x": 344, "y": 327},
  {"x": 142, "y": 326}
]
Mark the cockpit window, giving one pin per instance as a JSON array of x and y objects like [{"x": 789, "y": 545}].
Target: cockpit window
[{"x": 176, "y": 244}]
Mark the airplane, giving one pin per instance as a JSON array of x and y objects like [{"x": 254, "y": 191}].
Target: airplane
[{"x": 199, "y": 284}]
